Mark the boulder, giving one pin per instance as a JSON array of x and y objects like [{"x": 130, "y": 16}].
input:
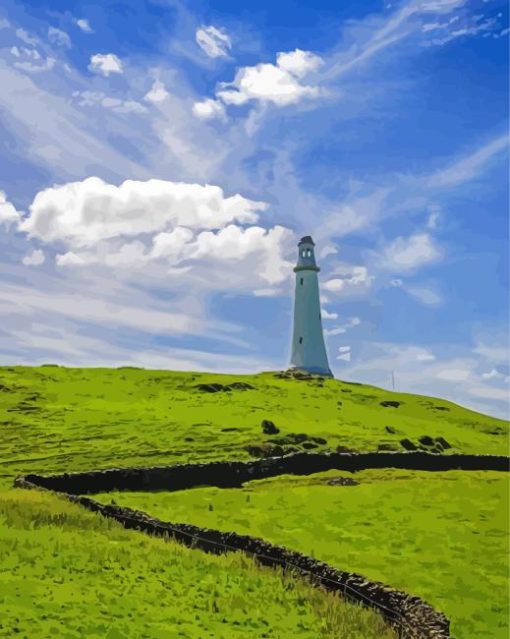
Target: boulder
[
  {"x": 426, "y": 440},
  {"x": 408, "y": 444},
  {"x": 387, "y": 403},
  {"x": 443, "y": 443},
  {"x": 390, "y": 429},
  {"x": 269, "y": 428}
]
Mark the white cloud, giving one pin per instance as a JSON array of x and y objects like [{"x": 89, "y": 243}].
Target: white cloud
[
  {"x": 105, "y": 64},
  {"x": 343, "y": 328},
  {"x": 84, "y": 213},
  {"x": 36, "y": 258},
  {"x": 4, "y": 23},
  {"x": 98, "y": 98},
  {"x": 59, "y": 37},
  {"x": 8, "y": 213},
  {"x": 208, "y": 109},
  {"x": 278, "y": 84},
  {"x": 327, "y": 315},
  {"x": 495, "y": 374},
  {"x": 469, "y": 166},
  {"x": 409, "y": 253},
  {"x": 348, "y": 279},
  {"x": 25, "y": 37},
  {"x": 425, "y": 295},
  {"x": 214, "y": 42},
  {"x": 344, "y": 353},
  {"x": 84, "y": 25},
  {"x": 157, "y": 93}
]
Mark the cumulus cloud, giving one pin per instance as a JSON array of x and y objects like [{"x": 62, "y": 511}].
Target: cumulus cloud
[
  {"x": 105, "y": 64},
  {"x": 209, "y": 109},
  {"x": 84, "y": 25},
  {"x": 214, "y": 42},
  {"x": 279, "y": 84},
  {"x": 8, "y": 213},
  {"x": 36, "y": 258},
  {"x": 409, "y": 253},
  {"x": 59, "y": 38},
  {"x": 84, "y": 213},
  {"x": 231, "y": 258},
  {"x": 25, "y": 37},
  {"x": 157, "y": 93}
]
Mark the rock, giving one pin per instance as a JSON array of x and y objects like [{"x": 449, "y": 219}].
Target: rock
[
  {"x": 390, "y": 403},
  {"x": 344, "y": 449},
  {"x": 340, "y": 403},
  {"x": 386, "y": 447},
  {"x": 240, "y": 386},
  {"x": 211, "y": 388},
  {"x": 309, "y": 445},
  {"x": 342, "y": 481},
  {"x": 319, "y": 440},
  {"x": 440, "y": 408},
  {"x": 426, "y": 440},
  {"x": 443, "y": 443},
  {"x": 390, "y": 429},
  {"x": 268, "y": 427},
  {"x": 408, "y": 444},
  {"x": 229, "y": 430}
]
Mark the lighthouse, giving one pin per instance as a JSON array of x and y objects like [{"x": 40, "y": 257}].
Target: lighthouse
[{"x": 308, "y": 348}]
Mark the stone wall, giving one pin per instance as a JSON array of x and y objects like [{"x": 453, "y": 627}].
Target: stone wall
[{"x": 232, "y": 474}]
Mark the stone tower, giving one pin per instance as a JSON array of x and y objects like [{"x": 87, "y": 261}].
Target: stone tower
[{"x": 308, "y": 348}]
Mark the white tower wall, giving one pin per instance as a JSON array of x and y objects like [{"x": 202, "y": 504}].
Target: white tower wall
[{"x": 308, "y": 348}]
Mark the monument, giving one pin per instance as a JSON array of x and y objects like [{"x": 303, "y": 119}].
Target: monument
[{"x": 308, "y": 348}]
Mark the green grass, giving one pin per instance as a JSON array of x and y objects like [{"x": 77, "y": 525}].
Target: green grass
[
  {"x": 67, "y": 573},
  {"x": 54, "y": 419},
  {"x": 442, "y": 536},
  {"x": 439, "y": 538}
]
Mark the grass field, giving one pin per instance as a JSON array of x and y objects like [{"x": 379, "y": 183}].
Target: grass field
[
  {"x": 442, "y": 536},
  {"x": 55, "y": 419},
  {"x": 70, "y": 574},
  {"x": 438, "y": 536}
]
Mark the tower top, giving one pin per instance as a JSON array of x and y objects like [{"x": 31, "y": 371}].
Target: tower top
[{"x": 306, "y": 257}]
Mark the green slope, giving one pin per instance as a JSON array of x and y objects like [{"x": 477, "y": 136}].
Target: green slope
[
  {"x": 70, "y": 574},
  {"x": 56, "y": 419},
  {"x": 442, "y": 536}
]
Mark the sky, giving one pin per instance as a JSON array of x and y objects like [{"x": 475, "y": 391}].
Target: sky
[{"x": 160, "y": 160}]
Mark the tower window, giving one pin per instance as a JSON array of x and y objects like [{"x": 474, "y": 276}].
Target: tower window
[
  {"x": 309, "y": 252},
  {"x": 303, "y": 253},
  {"x": 301, "y": 281},
  {"x": 300, "y": 340}
]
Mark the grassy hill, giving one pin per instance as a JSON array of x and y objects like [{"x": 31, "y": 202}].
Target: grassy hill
[
  {"x": 56, "y": 419},
  {"x": 442, "y": 536}
]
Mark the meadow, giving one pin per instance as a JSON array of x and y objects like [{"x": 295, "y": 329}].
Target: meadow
[
  {"x": 441, "y": 536},
  {"x": 56, "y": 419},
  {"x": 438, "y": 535},
  {"x": 67, "y": 573}
]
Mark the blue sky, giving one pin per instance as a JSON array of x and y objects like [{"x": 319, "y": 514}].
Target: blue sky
[{"x": 159, "y": 162}]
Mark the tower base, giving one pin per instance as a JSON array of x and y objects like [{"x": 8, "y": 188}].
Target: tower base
[{"x": 309, "y": 371}]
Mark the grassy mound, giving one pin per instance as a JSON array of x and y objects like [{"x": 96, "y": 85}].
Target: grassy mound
[
  {"x": 68, "y": 573},
  {"x": 55, "y": 419},
  {"x": 442, "y": 536}
]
